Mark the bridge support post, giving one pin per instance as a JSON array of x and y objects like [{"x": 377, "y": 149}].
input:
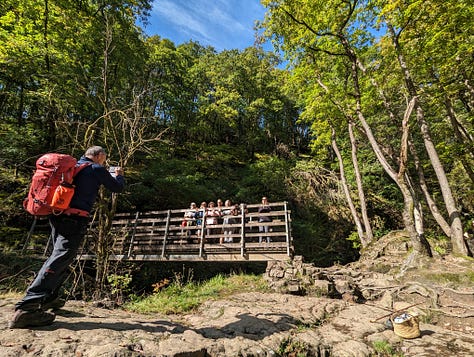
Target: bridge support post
[{"x": 242, "y": 231}]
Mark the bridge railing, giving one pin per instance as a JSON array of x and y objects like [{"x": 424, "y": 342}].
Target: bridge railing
[{"x": 167, "y": 235}]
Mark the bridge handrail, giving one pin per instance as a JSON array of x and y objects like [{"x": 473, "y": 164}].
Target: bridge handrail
[{"x": 162, "y": 233}]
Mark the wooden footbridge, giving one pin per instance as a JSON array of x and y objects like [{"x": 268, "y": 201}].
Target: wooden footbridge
[{"x": 167, "y": 235}]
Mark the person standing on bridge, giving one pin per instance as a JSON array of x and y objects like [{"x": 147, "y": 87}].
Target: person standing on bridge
[
  {"x": 263, "y": 210},
  {"x": 190, "y": 219},
  {"x": 212, "y": 216},
  {"x": 67, "y": 230},
  {"x": 226, "y": 212}
]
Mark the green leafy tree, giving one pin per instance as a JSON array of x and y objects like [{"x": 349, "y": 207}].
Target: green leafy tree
[
  {"x": 350, "y": 63},
  {"x": 332, "y": 40},
  {"x": 241, "y": 101}
]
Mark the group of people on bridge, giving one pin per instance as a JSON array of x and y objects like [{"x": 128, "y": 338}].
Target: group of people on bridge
[{"x": 226, "y": 214}]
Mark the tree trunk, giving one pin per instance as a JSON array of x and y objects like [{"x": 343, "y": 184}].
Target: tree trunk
[
  {"x": 462, "y": 137},
  {"x": 429, "y": 200},
  {"x": 365, "y": 235},
  {"x": 419, "y": 242},
  {"x": 457, "y": 238},
  {"x": 413, "y": 215},
  {"x": 355, "y": 216},
  {"x": 360, "y": 189},
  {"x": 457, "y": 234},
  {"x": 412, "y": 218}
]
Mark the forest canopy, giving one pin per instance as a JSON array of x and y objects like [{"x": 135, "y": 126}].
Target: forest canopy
[{"x": 368, "y": 127}]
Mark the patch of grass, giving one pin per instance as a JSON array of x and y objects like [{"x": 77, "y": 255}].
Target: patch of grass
[
  {"x": 11, "y": 238},
  {"x": 10, "y": 295},
  {"x": 385, "y": 349},
  {"x": 430, "y": 317},
  {"x": 440, "y": 250},
  {"x": 292, "y": 347},
  {"x": 439, "y": 244},
  {"x": 180, "y": 298},
  {"x": 453, "y": 279}
]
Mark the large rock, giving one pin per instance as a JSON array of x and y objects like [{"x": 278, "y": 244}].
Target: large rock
[
  {"x": 336, "y": 311},
  {"x": 247, "y": 324}
]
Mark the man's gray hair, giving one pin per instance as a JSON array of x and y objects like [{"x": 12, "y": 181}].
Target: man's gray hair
[{"x": 94, "y": 151}]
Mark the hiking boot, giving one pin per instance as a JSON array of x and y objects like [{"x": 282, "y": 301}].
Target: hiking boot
[
  {"x": 23, "y": 318},
  {"x": 55, "y": 304}
]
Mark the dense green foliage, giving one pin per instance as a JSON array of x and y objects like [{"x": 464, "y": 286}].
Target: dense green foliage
[
  {"x": 372, "y": 78},
  {"x": 191, "y": 124}
]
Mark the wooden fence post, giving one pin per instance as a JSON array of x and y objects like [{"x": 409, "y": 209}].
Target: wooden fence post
[
  {"x": 132, "y": 239},
  {"x": 168, "y": 217},
  {"x": 287, "y": 228},
  {"x": 203, "y": 234},
  {"x": 242, "y": 230}
]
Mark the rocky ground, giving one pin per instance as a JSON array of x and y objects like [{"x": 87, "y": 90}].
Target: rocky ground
[{"x": 352, "y": 323}]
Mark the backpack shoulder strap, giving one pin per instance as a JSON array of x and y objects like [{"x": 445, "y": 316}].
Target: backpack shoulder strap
[{"x": 81, "y": 167}]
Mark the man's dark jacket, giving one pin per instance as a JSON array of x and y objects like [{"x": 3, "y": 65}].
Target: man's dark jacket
[{"x": 88, "y": 182}]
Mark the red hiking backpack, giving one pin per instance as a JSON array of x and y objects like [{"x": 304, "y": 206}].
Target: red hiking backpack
[{"x": 51, "y": 188}]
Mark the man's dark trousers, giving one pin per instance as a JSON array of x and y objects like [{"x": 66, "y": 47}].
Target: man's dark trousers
[{"x": 68, "y": 233}]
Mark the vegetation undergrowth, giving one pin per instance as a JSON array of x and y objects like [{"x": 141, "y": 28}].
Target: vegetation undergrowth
[
  {"x": 385, "y": 349},
  {"x": 179, "y": 297},
  {"x": 453, "y": 279},
  {"x": 16, "y": 272},
  {"x": 292, "y": 347}
]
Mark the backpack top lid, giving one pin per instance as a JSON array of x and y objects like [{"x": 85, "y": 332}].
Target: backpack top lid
[
  {"x": 62, "y": 161},
  {"x": 57, "y": 164}
]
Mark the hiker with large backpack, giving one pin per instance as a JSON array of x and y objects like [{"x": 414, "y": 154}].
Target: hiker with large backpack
[{"x": 69, "y": 224}]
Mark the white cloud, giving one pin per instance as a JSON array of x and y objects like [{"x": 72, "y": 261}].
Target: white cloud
[
  {"x": 219, "y": 23},
  {"x": 223, "y": 19},
  {"x": 181, "y": 17}
]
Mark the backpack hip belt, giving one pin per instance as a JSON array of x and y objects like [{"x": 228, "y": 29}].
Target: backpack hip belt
[{"x": 75, "y": 212}]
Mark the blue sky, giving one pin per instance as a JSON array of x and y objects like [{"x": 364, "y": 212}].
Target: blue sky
[{"x": 222, "y": 24}]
